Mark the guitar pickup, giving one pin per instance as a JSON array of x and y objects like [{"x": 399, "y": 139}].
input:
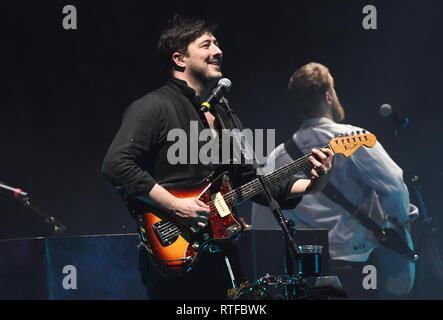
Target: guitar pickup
[
  {"x": 166, "y": 232},
  {"x": 220, "y": 204}
]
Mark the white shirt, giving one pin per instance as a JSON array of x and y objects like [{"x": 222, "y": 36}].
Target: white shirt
[{"x": 369, "y": 178}]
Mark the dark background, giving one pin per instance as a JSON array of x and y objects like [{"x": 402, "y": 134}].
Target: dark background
[{"x": 63, "y": 91}]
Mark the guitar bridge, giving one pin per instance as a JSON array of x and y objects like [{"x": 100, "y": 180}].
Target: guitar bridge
[{"x": 233, "y": 230}]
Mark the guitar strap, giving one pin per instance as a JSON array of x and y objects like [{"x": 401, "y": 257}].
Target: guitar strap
[
  {"x": 336, "y": 196},
  {"x": 398, "y": 281}
]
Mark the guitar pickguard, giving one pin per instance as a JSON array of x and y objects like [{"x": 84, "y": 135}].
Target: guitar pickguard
[{"x": 174, "y": 248}]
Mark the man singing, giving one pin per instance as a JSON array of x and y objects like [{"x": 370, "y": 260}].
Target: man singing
[{"x": 137, "y": 161}]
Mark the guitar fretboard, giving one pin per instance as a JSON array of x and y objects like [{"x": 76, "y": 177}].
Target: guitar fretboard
[{"x": 254, "y": 187}]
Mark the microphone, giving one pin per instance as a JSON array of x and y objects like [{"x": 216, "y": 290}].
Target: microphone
[
  {"x": 223, "y": 86},
  {"x": 13, "y": 192},
  {"x": 387, "y": 111}
]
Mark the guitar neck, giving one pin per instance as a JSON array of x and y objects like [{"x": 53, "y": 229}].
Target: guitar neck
[{"x": 254, "y": 187}]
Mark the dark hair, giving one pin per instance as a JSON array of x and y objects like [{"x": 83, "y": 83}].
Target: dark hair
[
  {"x": 307, "y": 86},
  {"x": 178, "y": 34}
]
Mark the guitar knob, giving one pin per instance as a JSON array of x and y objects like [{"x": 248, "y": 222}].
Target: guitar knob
[{"x": 196, "y": 245}]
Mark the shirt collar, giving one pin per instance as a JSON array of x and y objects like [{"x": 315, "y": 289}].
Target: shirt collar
[
  {"x": 312, "y": 122},
  {"x": 183, "y": 87}
]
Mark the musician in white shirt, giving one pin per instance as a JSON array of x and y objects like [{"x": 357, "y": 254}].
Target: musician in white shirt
[{"x": 370, "y": 179}]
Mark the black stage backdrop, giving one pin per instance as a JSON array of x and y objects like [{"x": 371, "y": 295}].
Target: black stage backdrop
[{"x": 63, "y": 91}]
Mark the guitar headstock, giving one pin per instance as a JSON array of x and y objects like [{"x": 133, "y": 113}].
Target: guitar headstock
[{"x": 347, "y": 145}]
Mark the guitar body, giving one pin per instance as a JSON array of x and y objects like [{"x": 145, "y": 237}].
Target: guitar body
[
  {"x": 397, "y": 271},
  {"x": 175, "y": 249}
]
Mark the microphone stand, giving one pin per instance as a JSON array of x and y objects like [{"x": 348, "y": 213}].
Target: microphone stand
[
  {"x": 424, "y": 240},
  {"x": 58, "y": 226},
  {"x": 293, "y": 252}
]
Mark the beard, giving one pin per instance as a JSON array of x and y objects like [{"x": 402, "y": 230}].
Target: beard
[
  {"x": 205, "y": 76},
  {"x": 338, "y": 112}
]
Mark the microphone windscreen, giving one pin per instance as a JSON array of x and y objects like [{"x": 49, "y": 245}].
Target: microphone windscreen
[
  {"x": 226, "y": 83},
  {"x": 386, "y": 110}
]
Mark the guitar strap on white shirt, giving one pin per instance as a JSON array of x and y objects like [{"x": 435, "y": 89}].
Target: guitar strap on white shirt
[
  {"x": 335, "y": 195},
  {"x": 388, "y": 239}
]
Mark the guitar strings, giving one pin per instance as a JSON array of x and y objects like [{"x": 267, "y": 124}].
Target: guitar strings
[
  {"x": 254, "y": 187},
  {"x": 250, "y": 189}
]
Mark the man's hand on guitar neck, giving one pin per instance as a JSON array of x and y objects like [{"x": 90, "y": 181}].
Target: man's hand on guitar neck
[
  {"x": 189, "y": 212},
  {"x": 321, "y": 167}
]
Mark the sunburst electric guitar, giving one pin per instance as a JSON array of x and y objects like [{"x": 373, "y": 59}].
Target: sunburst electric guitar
[{"x": 175, "y": 249}]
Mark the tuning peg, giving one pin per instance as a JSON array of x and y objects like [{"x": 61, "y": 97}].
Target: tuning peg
[
  {"x": 364, "y": 131},
  {"x": 358, "y": 132},
  {"x": 352, "y": 133}
]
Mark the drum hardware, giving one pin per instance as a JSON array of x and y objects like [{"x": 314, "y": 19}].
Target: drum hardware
[
  {"x": 268, "y": 287},
  {"x": 274, "y": 287},
  {"x": 306, "y": 282}
]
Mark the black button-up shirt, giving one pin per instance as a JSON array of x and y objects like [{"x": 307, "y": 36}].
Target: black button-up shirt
[{"x": 138, "y": 156}]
